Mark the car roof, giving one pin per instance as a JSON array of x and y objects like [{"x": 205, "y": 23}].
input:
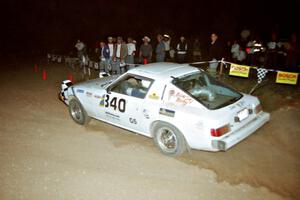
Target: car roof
[{"x": 163, "y": 70}]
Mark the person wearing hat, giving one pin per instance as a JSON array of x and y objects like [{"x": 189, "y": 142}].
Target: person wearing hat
[
  {"x": 145, "y": 51},
  {"x": 167, "y": 43},
  {"x": 160, "y": 49},
  {"x": 181, "y": 50},
  {"x": 119, "y": 56}
]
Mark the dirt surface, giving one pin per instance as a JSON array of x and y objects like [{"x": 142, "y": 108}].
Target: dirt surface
[{"x": 45, "y": 155}]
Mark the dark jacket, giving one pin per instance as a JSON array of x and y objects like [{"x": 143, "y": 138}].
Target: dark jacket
[
  {"x": 215, "y": 51},
  {"x": 182, "y": 46},
  {"x": 105, "y": 52}
]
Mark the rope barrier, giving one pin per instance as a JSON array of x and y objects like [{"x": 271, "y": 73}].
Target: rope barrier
[{"x": 261, "y": 71}]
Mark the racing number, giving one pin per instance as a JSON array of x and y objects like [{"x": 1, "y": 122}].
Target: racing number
[
  {"x": 115, "y": 103},
  {"x": 121, "y": 105}
]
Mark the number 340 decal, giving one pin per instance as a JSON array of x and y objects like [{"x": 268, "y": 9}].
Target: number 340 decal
[{"x": 115, "y": 103}]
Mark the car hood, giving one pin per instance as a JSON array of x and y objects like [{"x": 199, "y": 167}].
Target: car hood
[{"x": 96, "y": 83}]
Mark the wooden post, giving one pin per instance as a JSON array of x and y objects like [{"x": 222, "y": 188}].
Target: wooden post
[{"x": 221, "y": 68}]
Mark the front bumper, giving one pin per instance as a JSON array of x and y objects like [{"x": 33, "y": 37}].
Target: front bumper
[
  {"x": 232, "y": 139},
  {"x": 62, "y": 97}
]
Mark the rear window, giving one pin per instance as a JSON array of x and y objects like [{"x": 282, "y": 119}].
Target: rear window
[{"x": 207, "y": 90}]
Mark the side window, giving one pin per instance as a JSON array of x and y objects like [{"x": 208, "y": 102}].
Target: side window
[{"x": 134, "y": 86}]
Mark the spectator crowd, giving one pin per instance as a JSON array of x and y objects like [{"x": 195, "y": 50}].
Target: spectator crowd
[{"x": 115, "y": 55}]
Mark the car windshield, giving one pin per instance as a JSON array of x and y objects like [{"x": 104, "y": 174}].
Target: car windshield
[{"x": 208, "y": 91}]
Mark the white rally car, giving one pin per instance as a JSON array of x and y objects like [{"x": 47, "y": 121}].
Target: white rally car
[{"x": 179, "y": 106}]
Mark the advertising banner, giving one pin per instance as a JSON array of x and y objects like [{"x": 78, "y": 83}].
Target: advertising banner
[
  {"x": 287, "y": 77},
  {"x": 239, "y": 70}
]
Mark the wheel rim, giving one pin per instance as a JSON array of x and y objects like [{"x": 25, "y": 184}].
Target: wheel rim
[
  {"x": 167, "y": 140},
  {"x": 76, "y": 112}
]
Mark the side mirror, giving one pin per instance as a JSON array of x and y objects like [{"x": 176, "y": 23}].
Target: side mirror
[{"x": 108, "y": 90}]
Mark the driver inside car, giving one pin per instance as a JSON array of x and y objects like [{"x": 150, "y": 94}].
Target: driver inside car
[{"x": 133, "y": 87}]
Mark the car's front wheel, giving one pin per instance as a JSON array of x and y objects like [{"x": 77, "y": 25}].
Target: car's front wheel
[
  {"x": 169, "y": 139},
  {"x": 77, "y": 112}
]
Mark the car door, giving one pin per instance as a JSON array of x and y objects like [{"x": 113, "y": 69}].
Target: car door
[{"x": 124, "y": 102}]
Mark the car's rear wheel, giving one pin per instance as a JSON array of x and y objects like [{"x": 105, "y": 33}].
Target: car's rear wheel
[
  {"x": 169, "y": 139},
  {"x": 77, "y": 112}
]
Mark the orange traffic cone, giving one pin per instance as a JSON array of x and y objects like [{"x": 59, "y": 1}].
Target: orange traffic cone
[
  {"x": 145, "y": 61},
  {"x": 35, "y": 68},
  {"x": 44, "y": 74},
  {"x": 70, "y": 78}
]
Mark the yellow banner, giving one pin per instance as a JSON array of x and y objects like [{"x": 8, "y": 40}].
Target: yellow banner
[
  {"x": 287, "y": 78},
  {"x": 239, "y": 70}
]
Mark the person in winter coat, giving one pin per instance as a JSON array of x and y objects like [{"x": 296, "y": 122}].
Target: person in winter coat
[
  {"x": 104, "y": 57},
  {"x": 181, "y": 50},
  {"x": 215, "y": 54}
]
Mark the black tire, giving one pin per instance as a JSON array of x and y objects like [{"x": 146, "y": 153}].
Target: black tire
[
  {"x": 77, "y": 112},
  {"x": 168, "y": 139}
]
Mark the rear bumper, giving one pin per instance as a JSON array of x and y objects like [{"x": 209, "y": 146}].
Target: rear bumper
[{"x": 235, "y": 137}]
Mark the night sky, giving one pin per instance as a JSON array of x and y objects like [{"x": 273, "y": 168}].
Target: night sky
[{"x": 39, "y": 26}]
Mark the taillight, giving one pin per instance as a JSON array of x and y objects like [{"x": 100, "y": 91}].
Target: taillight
[
  {"x": 220, "y": 131},
  {"x": 258, "y": 109}
]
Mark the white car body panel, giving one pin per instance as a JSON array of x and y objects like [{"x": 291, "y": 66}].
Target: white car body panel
[{"x": 165, "y": 102}]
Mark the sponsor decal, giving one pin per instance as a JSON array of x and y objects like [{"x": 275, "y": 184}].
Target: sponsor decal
[
  {"x": 146, "y": 114},
  {"x": 132, "y": 120},
  {"x": 89, "y": 94},
  {"x": 102, "y": 101},
  {"x": 97, "y": 96},
  {"x": 112, "y": 116},
  {"x": 179, "y": 98},
  {"x": 167, "y": 112},
  {"x": 239, "y": 70},
  {"x": 153, "y": 96},
  {"x": 80, "y": 91},
  {"x": 287, "y": 78}
]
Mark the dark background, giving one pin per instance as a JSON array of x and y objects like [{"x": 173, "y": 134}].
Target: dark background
[{"x": 37, "y": 27}]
